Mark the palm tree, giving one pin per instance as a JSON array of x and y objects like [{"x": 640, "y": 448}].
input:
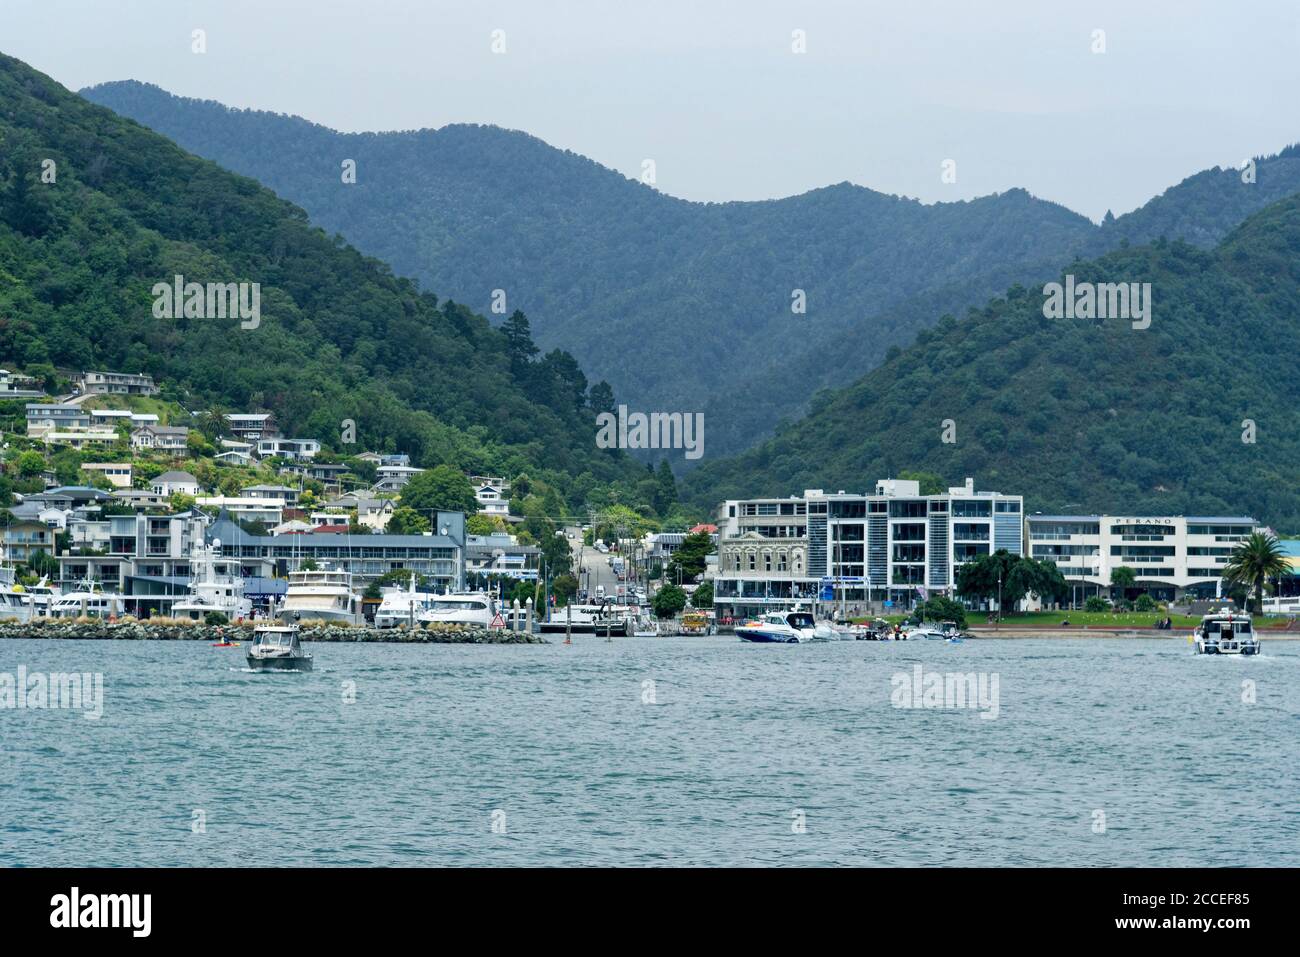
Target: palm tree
[
  {"x": 1122, "y": 578},
  {"x": 1253, "y": 562}
]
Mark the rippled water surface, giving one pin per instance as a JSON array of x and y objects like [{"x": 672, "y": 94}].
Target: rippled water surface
[{"x": 656, "y": 751}]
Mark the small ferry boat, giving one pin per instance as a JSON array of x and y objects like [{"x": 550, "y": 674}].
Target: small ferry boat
[
  {"x": 1225, "y": 633},
  {"x": 476, "y": 609},
  {"x": 278, "y": 648},
  {"x": 323, "y": 594},
  {"x": 600, "y": 618},
  {"x": 784, "y": 627}
]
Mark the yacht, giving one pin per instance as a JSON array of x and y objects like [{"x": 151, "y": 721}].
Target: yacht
[
  {"x": 1225, "y": 633},
  {"x": 323, "y": 594},
  {"x": 86, "y": 600},
  {"x": 401, "y": 606},
  {"x": 467, "y": 608},
  {"x": 784, "y": 627},
  {"x": 215, "y": 586},
  {"x": 22, "y": 603},
  {"x": 278, "y": 648}
]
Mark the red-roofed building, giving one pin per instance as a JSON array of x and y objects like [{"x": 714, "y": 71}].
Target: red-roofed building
[{"x": 711, "y": 529}]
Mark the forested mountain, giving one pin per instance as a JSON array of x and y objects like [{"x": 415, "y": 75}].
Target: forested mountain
[
  {"x": 682, "y": 306},
  {"x": 1084, "y": 414},
  {"x": 95, "y": 210}
]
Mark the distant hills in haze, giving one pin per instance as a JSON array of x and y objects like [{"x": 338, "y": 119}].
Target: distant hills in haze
[{"x": 681, "y": 306}]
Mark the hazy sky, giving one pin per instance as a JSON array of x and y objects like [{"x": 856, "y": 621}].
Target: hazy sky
[{"x": 712, "y": 92}]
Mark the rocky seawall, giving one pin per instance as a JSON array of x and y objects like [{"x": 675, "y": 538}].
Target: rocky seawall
[{"x": 130, "y": 630}]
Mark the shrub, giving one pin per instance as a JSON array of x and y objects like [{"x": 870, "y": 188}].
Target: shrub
[
  {"x": 1095, "y": 603},
  {"x": 215, "y": 618}
]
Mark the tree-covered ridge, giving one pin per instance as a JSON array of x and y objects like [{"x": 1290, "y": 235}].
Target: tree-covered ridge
[
  {"x": 682, "y": 306},
  {"x": 1084, "y": 415},
  {"x": 340, "y": 337}
]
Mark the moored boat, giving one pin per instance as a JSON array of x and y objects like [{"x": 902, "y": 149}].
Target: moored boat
[
  {"x": 788, "y": 627},
  {"x": 472, "y": 609},
  {"x": 323, "y": 594}
]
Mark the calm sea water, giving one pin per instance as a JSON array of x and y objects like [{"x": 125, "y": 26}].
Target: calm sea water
[{"x": 732, "y": 754}]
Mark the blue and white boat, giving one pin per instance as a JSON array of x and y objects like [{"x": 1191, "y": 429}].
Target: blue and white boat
[{"x": 786, "y": 627}]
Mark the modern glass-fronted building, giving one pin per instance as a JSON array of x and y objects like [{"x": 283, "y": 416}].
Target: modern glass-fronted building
[{"x": 893, "y": 545}]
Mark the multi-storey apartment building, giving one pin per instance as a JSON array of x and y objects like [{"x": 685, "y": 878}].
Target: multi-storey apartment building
[
  {"x": 892, "y": 545},
  {"x": 1171, "y": 556},
  {"x": 117, "y": 383}
]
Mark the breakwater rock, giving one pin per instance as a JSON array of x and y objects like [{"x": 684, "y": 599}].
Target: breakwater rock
[{"x": 132, "y": 630}]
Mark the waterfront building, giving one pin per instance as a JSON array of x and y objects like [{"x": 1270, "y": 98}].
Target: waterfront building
[
  {"x": 146, "y": 559},
  {"x": 500, "y": 554},
  {"x": 439, "y": 556},
  {"x": 893, "y": 545},
  {"x": 1172, "y": 556}
]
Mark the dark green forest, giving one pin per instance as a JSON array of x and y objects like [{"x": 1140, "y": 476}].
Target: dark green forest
[
  {"x": 340, "y": 336},
  {"x": 681, "y": 306},
  {"x": 1083, "y": 415}
]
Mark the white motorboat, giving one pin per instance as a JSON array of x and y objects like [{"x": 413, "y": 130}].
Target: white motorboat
[
  {"x": 86, "y": 601},
  {"x": 785, "y": 627},
  {"x": 1226, "y": 633},
  {"x": 476, "y": 609},
  {"x": 278, "y": 648},
  {"x": 216, "y": 586},
  {"x": 402, "y": 606},
  {"x": 323, "y": 594},
  {"x": 22, "y": 603}
]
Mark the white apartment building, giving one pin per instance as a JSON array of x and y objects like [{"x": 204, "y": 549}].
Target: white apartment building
[
  {"x": 1172, "y": 556},
  {"x": 893, "y": 545}
]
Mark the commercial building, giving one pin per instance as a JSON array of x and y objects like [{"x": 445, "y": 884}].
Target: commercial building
[
  {"x": 894, "y": 545},
  {"x": 439, "y": 556},
  {"x": 1172, "y": 556}
]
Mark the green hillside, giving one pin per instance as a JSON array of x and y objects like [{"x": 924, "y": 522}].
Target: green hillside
[
  {"x": 340, "y": 337},
  {"x": 680, "y": 305},
  {"x": 1081, "y": 414}
]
